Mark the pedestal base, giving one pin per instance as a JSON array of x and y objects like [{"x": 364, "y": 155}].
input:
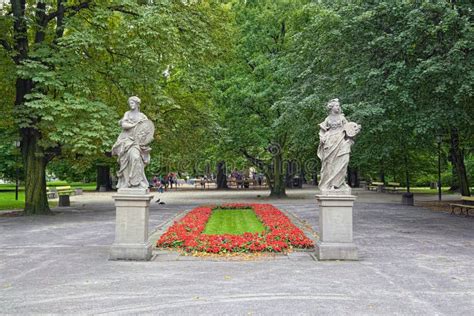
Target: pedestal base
[
  {"x": 141, "y": 252},
  {"x": 335, "y": 224},
  {"x": 336, "y": 251},
  {"x": 131, "y": 225}
]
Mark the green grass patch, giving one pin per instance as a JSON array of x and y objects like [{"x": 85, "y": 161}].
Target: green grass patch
[
  {"x": 84, "y": 186},
  {"x": 233, "y": 222},
  {"x": 8, "y": 202},
  {"x": 57, "y": 183},
  {"x": 10, "y": 187},
  {"x": 427, "y": 190}
]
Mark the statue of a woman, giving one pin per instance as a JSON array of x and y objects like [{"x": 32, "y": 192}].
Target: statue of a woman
[
  {"x": 335, "y": 140},
  {"x": 132, "y": 148}
]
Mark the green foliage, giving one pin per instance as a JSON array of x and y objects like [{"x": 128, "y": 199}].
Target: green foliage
[
  {"x": 255, "y": 118},
  {"x": 9, "y": 154},
  {"x": 108, "y": 51},
  {"x": 399, "y": 68},
  {"x": 246, "y": 79}
]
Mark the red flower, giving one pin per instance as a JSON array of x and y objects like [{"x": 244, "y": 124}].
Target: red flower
[{"x": 280, "y": 234}]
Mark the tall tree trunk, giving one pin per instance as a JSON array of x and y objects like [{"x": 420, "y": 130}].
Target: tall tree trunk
[
  {"x": 382, "y": 176},
  {"x": 36, "y": 201},
  {"x": 34, "y": 159},
  {"x": 302, "y": 178},
  {"x": 221, "y": 176},
  {"x": 454, "y": 187},
  {"x": 349, "y": 176},
  {"x": 278, "y": 187},
  {"x": 407, "y": 173},
  {"x": 103, "y": 177},
  {"x": 457, "y": 156},
  {"x": 289, "y": 174},
  {"x": 274, "y": 173},
  {"x": 353, "y": 177}
]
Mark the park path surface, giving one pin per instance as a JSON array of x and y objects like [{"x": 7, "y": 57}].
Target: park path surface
[{"x": 412, "y": 261}]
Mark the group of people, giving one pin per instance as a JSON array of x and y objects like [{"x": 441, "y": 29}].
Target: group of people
[
  {"x": 242, "y": 180},
  {"x": 162, "y": 183}
]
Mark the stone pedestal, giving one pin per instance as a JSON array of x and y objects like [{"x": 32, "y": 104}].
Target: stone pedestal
[
  {"x": 131, "y": 225},
  {"x": 335, "y": 224}
]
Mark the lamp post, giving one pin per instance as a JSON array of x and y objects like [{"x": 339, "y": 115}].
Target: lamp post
[
  {"x": 439, "y": 140},
  {"x": 17, "y": 144}
]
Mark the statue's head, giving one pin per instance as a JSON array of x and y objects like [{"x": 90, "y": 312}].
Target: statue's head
[
  {"x": 334, "y": 106},
  {"x": 134, "y": 102}
]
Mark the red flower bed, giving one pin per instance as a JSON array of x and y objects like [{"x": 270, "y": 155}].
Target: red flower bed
[{"x": 280, "y": 234}]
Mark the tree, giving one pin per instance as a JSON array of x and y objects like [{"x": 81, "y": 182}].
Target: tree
[
  {"x": 221, "y": 176},
  {"x": 35, "y": 33},
  {"x": 253, "y": 120},
  {"x": 400, "y": 70},
  {"x": 81, "y": 61}
]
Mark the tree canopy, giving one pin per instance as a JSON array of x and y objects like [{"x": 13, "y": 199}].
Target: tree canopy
[{"x": 237, "y": 80}]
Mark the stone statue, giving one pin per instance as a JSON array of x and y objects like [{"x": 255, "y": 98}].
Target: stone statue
[
  {"x": 335, "y": 140},
  {"x": 132, "y": 148}
]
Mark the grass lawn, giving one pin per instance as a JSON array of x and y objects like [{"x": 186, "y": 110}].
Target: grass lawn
[
  {"x": 427, "y": 190},
  {"x": 8, "y": 202},
  {"x": 84, "y": 186},
  {"x": 10, "y": 187},
  {"x": 234, "y": 222},
  {"x": 7, "y": 194}
]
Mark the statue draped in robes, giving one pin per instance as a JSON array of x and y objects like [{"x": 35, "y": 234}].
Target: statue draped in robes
[
  {"x": 336, "y": 137},
  {"x": 132, "y": 148}
]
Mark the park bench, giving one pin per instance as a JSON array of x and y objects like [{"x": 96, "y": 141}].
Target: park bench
[
  {"x": 64, "y": 192},
  {"x": 242, "y": 184},
  {"x": 202, "y": 183},
  {"x": 467, "y": 205},
  {"x": 392, "y": 187},
  {"x": 51, "y": 193},
  {"x": 195, "y": 182},
  {"x": 376, "y": 186}
]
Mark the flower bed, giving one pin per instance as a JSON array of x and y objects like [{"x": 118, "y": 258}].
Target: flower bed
[{"x": 280, "y": 233}]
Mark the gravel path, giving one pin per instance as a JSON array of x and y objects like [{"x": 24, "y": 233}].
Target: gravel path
[{"x": 412, "y": 261}]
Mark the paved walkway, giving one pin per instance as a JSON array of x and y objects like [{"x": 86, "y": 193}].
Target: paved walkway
[{"x": 413, "y": 261}]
